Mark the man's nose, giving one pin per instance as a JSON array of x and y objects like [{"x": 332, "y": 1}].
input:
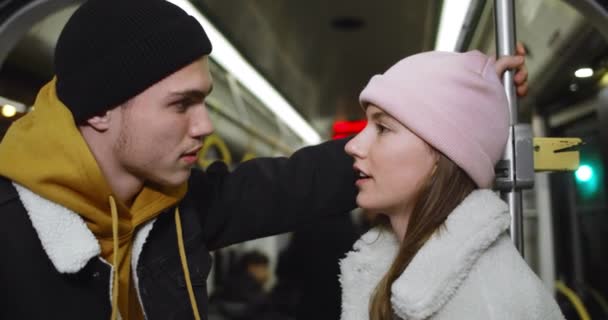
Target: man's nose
[{"x": 200, "y": 124}]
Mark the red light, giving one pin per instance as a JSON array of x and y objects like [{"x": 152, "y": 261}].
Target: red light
[{"x": 343, "y": 129}]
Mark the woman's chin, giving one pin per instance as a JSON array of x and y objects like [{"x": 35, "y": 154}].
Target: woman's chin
[{"x": 364, "y": 202}]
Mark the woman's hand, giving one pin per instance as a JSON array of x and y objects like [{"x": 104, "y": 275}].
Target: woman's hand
[{"x": 517, "y": 62}]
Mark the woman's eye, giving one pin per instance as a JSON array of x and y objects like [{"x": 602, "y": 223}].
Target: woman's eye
[{"x": 381, "y": 129}]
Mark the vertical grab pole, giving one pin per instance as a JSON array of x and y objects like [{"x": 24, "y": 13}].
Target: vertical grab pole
[{"x": 504, "y": 14}]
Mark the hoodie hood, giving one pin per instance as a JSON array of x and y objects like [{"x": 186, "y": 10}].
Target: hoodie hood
[{"x": 45, "y": 152}]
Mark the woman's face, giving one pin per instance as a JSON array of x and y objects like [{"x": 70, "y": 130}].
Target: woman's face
[{"x": 392, "y": 162}]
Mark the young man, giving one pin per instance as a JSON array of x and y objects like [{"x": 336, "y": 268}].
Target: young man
[
  {"x": 102, "y": 215},
  {"x": 97, "y": 176}
]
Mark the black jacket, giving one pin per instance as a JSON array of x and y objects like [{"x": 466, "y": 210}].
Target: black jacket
[{"x": 261, "y": 197}]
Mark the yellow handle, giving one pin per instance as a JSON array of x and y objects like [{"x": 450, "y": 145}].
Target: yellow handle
[{"x": 574, "y": 299}]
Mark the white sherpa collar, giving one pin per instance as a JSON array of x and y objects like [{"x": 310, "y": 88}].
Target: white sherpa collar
[
  {"x": 437, "y": 270},
  {"x": 442, "y": 264},
  {"x": 362, "y": 269},
  {"x": 64, "y": 235}
]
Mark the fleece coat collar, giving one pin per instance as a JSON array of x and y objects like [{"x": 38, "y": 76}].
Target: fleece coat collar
[{"x": 437, "y": 270}]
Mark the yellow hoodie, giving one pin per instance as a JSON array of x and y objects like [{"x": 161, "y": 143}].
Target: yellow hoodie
[{"x": 45, "y": 152}]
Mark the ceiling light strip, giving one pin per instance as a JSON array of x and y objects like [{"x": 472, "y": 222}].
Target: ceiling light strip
[
  {"x": 453, "y": 15},
  {"x": 230, "y": 59}
]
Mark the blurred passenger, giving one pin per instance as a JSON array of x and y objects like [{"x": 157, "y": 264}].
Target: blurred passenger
[
  {"x": 308, "y": 269},
  {"x": 437, "y": 124},
  {"x": 242, "y": 296}
]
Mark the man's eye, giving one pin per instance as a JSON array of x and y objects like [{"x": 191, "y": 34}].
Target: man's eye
[{"x": 182, "y": 105}]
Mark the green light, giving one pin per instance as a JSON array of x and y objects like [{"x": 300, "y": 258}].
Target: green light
[{"x": 584, "y": 173}]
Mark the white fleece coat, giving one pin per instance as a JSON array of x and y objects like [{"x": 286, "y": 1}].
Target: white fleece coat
[{"x": 467, "y": 270}]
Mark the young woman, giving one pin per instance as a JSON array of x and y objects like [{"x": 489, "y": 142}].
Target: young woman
[{"x": 437, "y": 124}]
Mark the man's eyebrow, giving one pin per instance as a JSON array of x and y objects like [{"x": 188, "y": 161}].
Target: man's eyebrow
[{"x": 192, "y": 94}]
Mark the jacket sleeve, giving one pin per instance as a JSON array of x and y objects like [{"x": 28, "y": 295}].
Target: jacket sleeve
[{"x": 267, "y": 196}]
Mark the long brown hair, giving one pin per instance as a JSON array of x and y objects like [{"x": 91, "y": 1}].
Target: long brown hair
[{"x": 442, "y": 193}]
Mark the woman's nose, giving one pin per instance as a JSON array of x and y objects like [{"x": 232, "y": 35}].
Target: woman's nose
[{"x": 353, "y": 148}]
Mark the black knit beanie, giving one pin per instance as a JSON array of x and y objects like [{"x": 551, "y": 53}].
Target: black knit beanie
[{"x": 111, "y": 50}]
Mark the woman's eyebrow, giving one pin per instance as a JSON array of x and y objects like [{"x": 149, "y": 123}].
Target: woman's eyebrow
[{"x": 379, "y": 115}]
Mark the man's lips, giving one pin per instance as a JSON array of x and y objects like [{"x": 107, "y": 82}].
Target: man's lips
[
  {"x": 191, "y": 156},
  {"x": 193, "y": 151}
]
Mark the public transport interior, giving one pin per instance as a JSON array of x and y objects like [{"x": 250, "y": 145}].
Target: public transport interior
[{"x": 288, "y": 73}]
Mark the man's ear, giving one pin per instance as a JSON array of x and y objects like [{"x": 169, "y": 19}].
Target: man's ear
[{"x": 100, "y": 122}]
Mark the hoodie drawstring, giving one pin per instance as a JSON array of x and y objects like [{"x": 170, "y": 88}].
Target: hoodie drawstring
[
  {"x": 182, "y": 256},
  {"x": 115, "y": 260}
]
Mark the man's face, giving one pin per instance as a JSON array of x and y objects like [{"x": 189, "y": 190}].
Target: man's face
[{"x": 159, "y": 132}]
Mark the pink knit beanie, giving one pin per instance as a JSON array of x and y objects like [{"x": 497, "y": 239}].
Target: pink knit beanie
[{"x": 453, "y": 101}]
